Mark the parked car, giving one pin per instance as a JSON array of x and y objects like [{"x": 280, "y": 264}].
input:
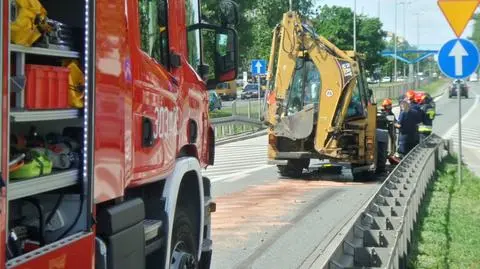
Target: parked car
[
  {"x": 227, "y": 90},
  {"x": 458, "y": 85},
  {"x": 386, "y": 79},
  {"x": 214, "y": 101},
  {"x": 251, "y": 91}
]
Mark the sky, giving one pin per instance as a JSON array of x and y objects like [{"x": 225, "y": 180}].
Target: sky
[{"x": 433, "y": 27}]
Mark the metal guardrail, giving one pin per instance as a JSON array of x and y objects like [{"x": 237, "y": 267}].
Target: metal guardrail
[
  {"x": 381, "y": 235},
  {"x": 381, "y": 91},
  {"x": 244, "y": 119}
]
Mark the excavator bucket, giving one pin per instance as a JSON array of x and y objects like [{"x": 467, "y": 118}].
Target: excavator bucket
[{"x": 296, "y": 126}]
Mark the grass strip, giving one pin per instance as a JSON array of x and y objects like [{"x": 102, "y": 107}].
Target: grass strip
[
  {"x": 448, "y": 230},
  {"x": 435, "y": 86}
]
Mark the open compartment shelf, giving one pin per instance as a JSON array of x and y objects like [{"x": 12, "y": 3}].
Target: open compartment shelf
[
  {"x": 18, "y": 115},
  {"x": 28, "y": 187},
  {"x": 44, "y": 115},
  {"x": 46, "y": 132},
  {"x": 44, "y": 51}
]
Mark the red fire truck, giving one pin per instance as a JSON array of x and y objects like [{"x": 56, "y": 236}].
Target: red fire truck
[{"x": 105, "y": 131}]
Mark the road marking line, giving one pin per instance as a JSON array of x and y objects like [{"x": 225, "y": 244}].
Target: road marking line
[
  {"x": 241, "y": 174},
  {"x": 450, "y": 131}
]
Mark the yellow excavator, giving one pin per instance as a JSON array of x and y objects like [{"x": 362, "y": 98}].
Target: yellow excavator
[{"x": 319, "y": 105}]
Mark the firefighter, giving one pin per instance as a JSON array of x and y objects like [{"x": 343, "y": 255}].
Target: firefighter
[
  {"x": 428, "y": 115},
  {"x": 407, "y": 125},
  {"x": 410, "y": 99},
  {"x": 387, "y": 107},
  {"x": 386, "y": 120}
]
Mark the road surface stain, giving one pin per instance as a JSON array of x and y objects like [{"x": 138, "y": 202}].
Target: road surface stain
[{"x": 261, "y": 209}]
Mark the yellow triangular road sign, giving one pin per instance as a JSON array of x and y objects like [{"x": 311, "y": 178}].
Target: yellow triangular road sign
[{"x": 458, "y": 13}]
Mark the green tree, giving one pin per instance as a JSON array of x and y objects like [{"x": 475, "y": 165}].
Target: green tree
[
  {"x": 257, "y": 19},
  {"x": 476, "y": 29},
  {"x": 336, "y": 24}
]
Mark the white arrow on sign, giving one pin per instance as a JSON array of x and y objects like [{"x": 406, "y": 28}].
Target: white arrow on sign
[
  {"x": 458, "y": 52},
  {"x": 258, "y": 65}
]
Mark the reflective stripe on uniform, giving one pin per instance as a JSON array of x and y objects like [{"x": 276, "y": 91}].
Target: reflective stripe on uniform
[
  {"x": 431, "y": 113},
  {"x": 424, "y": 128}
]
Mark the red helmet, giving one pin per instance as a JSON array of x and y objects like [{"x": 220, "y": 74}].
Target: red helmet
[
  {"x": 410, "y": 95},
  {"x": 387, "y": 102},
  {"x": 419, "y": 97}
]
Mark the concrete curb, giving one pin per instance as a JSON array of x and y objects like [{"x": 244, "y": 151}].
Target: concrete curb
[{"x": 240, "y": 137}]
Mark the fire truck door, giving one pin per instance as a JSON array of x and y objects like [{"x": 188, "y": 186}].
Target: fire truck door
[{"x": 154, "y": 101}]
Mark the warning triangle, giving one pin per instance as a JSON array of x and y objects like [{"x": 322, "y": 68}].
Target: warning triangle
[{"x": 458, "y": 13}]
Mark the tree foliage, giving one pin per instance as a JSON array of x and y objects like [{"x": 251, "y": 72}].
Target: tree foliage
[
  {"x": 336, "y": 24},
  {"x": 257, "y": 19},
  {"x": 256, "y": 22},
  {"x": 476, "y": 30}
]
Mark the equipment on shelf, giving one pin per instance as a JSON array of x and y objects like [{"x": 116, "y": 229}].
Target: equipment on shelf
[
  {"x": 34, "y": 155},
  {"x": 47, "y": 87},
  {"x": 76, "y": 82},
  {"x": 29, "y": 22},
  {"x": 59, "y": 36},
  {"x": 16, "y": 239},
  {"x": 35, "y": 164}
]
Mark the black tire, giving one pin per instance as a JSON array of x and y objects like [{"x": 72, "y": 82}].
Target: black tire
[
  {"x": 294, "y": 168},
  {"x": 183, "y": 236},
  {"x": 360, "y": 176}
]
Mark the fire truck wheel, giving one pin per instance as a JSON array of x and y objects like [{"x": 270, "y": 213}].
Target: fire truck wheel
[{"x": 184, "y": 250}]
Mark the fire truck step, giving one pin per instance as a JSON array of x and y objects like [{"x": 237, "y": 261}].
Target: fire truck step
[{"x": 154, "y": 239}]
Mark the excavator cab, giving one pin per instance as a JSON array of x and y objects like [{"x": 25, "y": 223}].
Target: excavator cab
[{"x": 319, "y": 105}]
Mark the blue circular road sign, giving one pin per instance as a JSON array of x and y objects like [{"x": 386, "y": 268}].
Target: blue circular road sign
[{"x": 458, "y": 58}]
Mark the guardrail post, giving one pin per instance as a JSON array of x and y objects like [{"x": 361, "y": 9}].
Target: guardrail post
[
  {"x": 215, "y": 129},
  {"x": 234, "y": 108},
  {"x": 230, "y": 131},
  {"x": 222, "y": 131},
  {"x": 249, "y": 110}
]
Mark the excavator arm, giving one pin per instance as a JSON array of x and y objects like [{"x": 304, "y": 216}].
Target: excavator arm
[{"x": 310, "y": 81}]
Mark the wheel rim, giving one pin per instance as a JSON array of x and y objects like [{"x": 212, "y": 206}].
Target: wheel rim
[{"x": 181, "y": 259}]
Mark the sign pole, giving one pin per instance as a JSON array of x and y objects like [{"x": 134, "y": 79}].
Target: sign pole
[
  {"x": 459, "y": 135},
  {"x": 259, "y": 85},
  {"x": 458, "y": 58}
]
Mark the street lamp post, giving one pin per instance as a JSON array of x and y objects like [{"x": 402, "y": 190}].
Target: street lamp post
[
  {"x": 395, "y": 44},
  {"x": 355, "y": 25},
  {"x": 405, "y": 4},
  {"x": 418, "y": 45},
  {"x": 378, "y": 7}
]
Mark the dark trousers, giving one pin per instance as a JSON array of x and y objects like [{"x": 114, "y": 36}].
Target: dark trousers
[{"x": 406, "y": 142}]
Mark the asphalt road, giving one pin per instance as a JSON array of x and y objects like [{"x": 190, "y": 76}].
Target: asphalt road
[{"x": 264, "y": 221}]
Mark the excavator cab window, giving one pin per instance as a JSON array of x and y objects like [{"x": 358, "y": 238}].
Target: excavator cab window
[
  {"x": 357, "y": 107},
  {"x": 305, "y": 86}
]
